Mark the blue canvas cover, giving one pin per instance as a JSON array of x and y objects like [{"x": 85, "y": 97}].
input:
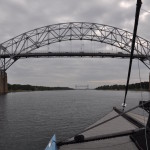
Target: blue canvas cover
[{"x": 52, "y": 144}]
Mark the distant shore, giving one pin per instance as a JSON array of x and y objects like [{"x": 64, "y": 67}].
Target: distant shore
[
  {"x": 143, "y": 86},
  {"x": 29, "y": 88}
]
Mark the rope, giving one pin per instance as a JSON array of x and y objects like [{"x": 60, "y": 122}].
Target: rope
[
  {"x": 140, "y": 80},
  {"x": 110, "y": 119},
  {"x": 145, "y": 10},
  {"x": 142, "y": 104}
]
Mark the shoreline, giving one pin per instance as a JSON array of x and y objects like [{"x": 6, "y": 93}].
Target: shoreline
[{"x": 15, "y": 91}]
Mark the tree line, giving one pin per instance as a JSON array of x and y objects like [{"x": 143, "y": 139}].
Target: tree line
[
  {"x": 135, "y": 86},
  {"x": 19, "y": 87}
]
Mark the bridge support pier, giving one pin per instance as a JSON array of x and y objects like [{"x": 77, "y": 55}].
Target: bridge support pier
[
  {"x": 149, "y": 81},
  {"x": 3, "y": 82}
]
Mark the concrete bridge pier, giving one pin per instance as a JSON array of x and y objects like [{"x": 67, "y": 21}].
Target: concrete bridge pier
[
  {"x": 149, "y": 81},
  {"x": 3, "y": 82}
]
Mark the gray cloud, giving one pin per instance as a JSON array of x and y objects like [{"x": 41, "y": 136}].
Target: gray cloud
[{"x": 18, "y": 16}]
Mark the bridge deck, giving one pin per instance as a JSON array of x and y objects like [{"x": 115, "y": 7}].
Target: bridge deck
[{"x": 73, "y": 54}]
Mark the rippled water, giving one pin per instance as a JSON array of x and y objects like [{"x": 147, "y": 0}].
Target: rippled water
[{"x": 29, "y": 119}]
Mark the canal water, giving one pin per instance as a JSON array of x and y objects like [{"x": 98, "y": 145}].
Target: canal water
[{"x": 29, "y": 119}]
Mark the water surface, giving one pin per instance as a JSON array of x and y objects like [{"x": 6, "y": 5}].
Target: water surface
[{"x": 29, "y": 119}]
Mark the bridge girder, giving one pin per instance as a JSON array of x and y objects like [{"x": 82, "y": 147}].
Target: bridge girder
[{"x": 34, "y": 39}]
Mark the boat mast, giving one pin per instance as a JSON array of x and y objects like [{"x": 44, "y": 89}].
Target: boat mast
[{"x": 138, "y": 6}]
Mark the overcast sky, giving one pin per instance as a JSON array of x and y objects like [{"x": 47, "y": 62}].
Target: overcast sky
[{"x": 18, "y": 16}]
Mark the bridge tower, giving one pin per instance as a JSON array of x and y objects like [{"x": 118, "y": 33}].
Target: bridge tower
[
  {"x": 3, "y": 82},
  {"x": 82, "y": 87}
]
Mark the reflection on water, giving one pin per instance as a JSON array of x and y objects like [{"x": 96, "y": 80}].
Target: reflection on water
[{"x": 29, "y": 119}]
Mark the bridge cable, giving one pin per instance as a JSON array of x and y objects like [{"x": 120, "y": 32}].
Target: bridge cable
[{"x": 138, "y": 6}]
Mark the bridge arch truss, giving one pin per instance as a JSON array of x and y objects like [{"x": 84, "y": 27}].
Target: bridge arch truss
[{"x": 34, "y": 39}]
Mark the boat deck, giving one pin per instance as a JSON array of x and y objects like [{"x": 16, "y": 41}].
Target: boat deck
[{"x": 119, "y": 124}]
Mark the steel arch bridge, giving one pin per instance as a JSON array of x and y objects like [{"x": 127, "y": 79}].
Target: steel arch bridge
[{"x": 28, "y": 42}]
